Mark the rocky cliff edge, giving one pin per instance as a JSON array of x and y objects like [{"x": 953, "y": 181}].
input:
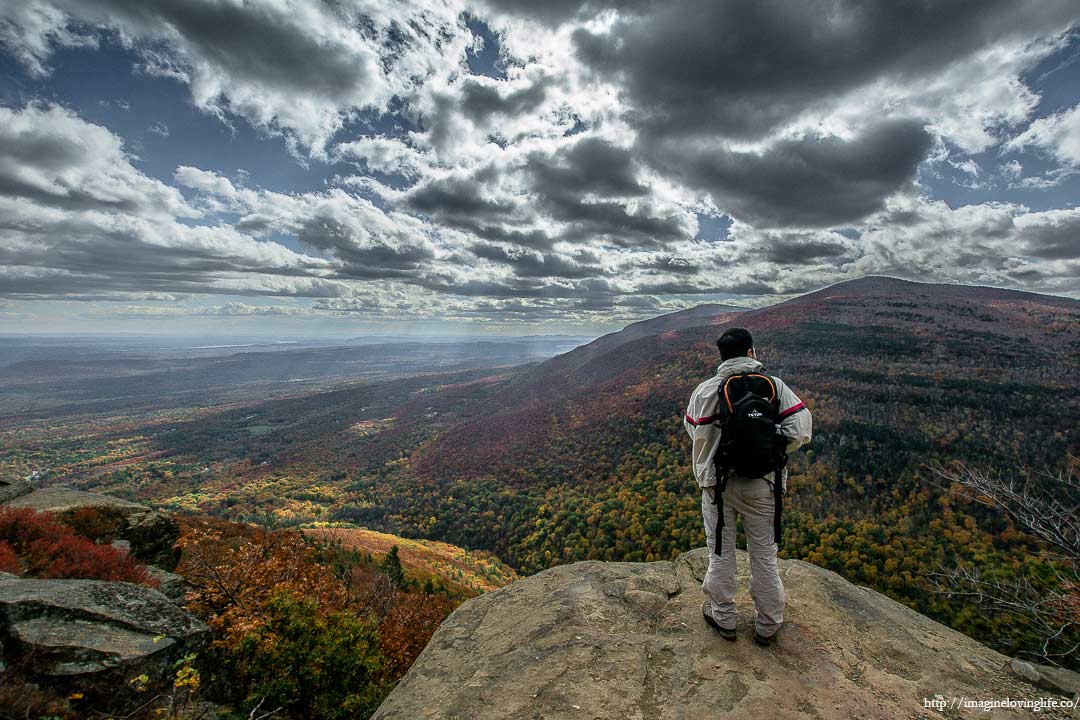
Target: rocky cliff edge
[{"x": 627, "y": 640}]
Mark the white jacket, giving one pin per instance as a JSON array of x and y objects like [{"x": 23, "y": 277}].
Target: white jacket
[{"x": 702, "y": 419}]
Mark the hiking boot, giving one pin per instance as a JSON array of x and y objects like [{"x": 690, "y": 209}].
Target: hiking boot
[
  {"x": 765, "y": 640},
  {"x": 727, "y": 634}
]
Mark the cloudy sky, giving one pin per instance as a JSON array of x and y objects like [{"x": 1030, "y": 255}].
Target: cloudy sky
[{"x": 317, "y": 167}]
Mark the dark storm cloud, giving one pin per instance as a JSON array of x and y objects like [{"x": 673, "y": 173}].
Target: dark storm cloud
[
  {"x": 257, "y": 42},
  {"x": 462, "y": 202},
  {"x": 697, "y": 74},
  {"x": 740, "y": 69},
  {"x": 363, "y": 258},
  {"x": 669, "y": 264},
  {"x": 591, "y": 288},
  {"x": 614, "y": 223},
  {"x": 480, "y": 102},
  {"x": 810, "y": 181},
  {"x": 584, "y": 186},
  {"x": 529, "y": 263},
  {"x": 1058, "y": 241},
  {"x": 526, "y": 238},
  {"x": 557, "y": 12},
  {"x": 591, "y": 165},
  {"x": 458, "y": 197},
  {"x": 802, "y": 250},
  {"x": 553, "y": 12},
  {"x": 681, "y": 287},
  {"x": 1029, "y": 275}
]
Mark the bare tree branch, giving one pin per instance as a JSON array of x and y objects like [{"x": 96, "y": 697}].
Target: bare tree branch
[
  {"x": 1047, "y": 609},
  {"x": 1044, "y": 506}
]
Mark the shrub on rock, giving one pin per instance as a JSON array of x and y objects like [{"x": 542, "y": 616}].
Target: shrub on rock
[{"x": 37, "y": 545}]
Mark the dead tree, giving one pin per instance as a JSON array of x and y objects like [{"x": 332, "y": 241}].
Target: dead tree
[{"x": 1044, "y": 506}]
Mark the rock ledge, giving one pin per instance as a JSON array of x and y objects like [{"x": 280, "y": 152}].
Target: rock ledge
[{"x": 627, "y": 640}]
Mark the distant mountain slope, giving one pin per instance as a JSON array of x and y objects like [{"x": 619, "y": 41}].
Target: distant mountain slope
[
  {"x": 707, "y": 314},
  {"x": 550, "y": 375},
  {"x": 466, "y": 572},
  {"x": 853, "y": 324},
  {"x": 890, "y": 301}
]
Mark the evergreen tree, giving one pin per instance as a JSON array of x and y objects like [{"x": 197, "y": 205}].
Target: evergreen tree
[{"x": 392, "y": 567}]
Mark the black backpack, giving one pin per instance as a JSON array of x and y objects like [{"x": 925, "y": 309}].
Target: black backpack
[{"x": 751, "y": 444}]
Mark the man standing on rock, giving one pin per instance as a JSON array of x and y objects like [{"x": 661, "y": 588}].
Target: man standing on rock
[{"x": 743, "y": 424}]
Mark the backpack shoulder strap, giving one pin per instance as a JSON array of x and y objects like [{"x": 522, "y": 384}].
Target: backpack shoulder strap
[
  {"x": 725, "y": 392},
  {"x": 758, "y": 377},
  {"x": 774, "y": 396}
]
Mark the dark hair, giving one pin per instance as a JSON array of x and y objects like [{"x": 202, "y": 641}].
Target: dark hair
[{"x": 734, "y": 343}]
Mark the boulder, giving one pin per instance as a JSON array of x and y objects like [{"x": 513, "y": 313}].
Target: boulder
[
  {"x": 11, "y": 489},
  {"x": 152, "y": 533},
  {"x": 171, "y": 585},
  {"x": 1055, "y": 679},
  {"x": 627, "y": 640},
  {"x": 92, "y": 636}
]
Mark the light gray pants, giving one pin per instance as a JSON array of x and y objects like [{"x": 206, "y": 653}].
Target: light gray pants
[{"x": 753, "y": 501}]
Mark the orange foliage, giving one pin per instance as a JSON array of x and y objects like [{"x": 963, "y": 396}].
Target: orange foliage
[
  {"x": 244, "y": 578},
  {"x": 406, "y": 629},
  {"x": 235, "y": 578}
]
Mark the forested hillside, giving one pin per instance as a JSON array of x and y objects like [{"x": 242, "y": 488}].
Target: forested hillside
[{"x": 584, "y": 455}]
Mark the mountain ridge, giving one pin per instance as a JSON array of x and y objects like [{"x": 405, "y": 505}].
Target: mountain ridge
[{"x": 591, "y": 368}]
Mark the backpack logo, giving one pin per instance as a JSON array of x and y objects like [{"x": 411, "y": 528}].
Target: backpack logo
[{"x": 754, "y": 414}]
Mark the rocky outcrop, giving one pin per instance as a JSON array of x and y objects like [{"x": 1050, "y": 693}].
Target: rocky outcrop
[
  {"x": 11, "y": 489},
  {"x": 627, "y": 641},
  {"x": 92, "y": 636},
  {"x": 170, "y": 585},
  {"x": 1058, "y": 680},
  {"x": 152, "y": 533}
]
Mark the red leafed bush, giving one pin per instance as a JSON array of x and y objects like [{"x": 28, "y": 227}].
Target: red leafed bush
[
  {"x": 99, "y": 524},
  {"x": 46, "y": 548},
  {"x": 9, "y": 561}
]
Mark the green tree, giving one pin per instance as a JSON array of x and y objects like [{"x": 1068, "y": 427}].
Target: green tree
[
  {"x": 392, "y": 567},
  {"x": 315, "y": 666}
]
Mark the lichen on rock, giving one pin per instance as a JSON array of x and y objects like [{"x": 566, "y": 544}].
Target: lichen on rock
[{"x": 92, "y": 636}]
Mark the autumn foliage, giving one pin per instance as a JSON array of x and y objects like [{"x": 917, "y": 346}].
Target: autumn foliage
[
  {"x": 9, "y": 561},
  {"x": 37, "y": 545},
  {"x": 314, "y": 630},
  {"x": 101, "y": 525}
]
